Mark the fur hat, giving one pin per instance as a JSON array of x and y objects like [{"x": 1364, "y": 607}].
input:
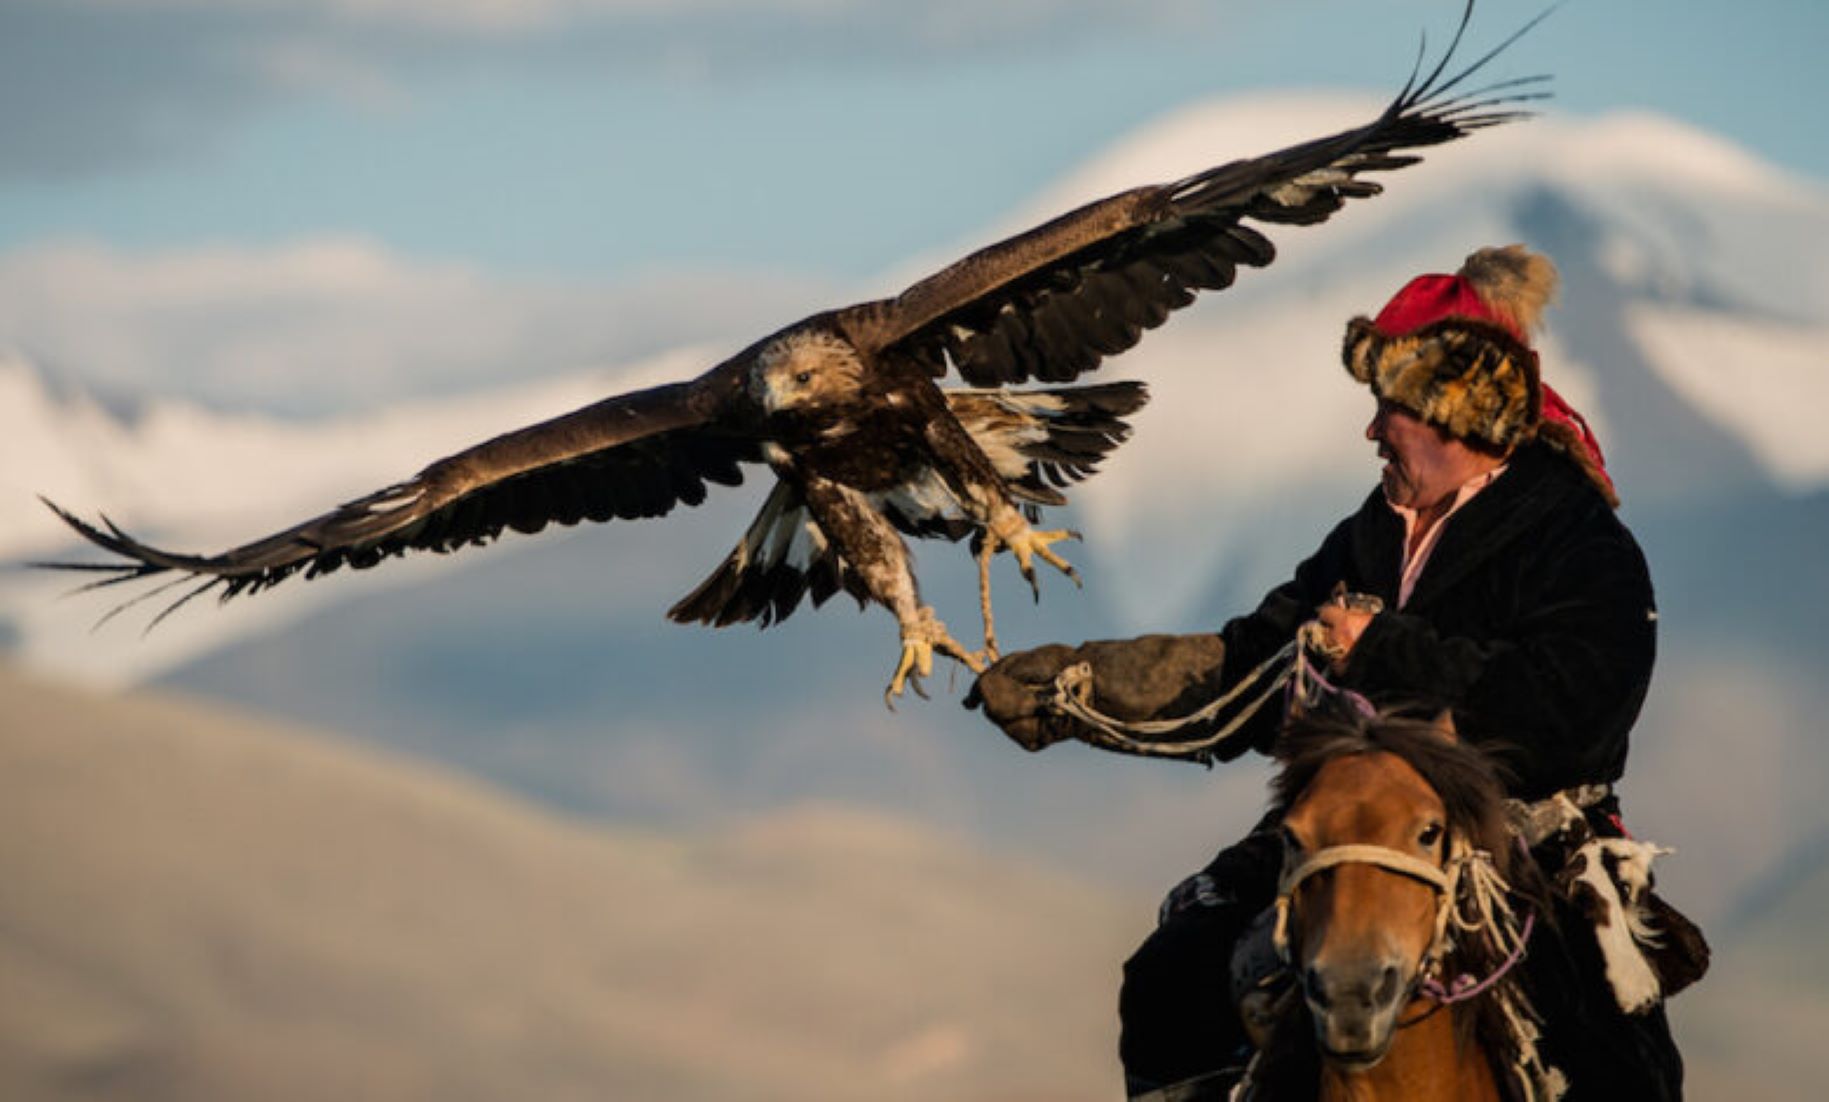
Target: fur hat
[{"x": 1455, "y": 351}]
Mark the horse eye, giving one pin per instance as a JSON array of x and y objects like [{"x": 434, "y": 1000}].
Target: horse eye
[
  {"x": 804, "y": 377},
  {"x": 1291, "y": 842},
  {"x": 1431, "y": 834}
]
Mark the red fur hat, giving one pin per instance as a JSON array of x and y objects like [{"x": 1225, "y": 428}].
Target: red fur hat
[{"x": 1455, "y": 351}]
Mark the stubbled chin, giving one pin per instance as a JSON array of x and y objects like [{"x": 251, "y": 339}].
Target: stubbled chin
[{"x": 1393, "y": 486}]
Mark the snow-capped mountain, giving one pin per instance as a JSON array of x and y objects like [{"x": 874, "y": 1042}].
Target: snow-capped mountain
[{"x": 1691, "y": 332}]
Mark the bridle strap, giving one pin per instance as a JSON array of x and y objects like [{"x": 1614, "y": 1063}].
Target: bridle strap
[
  {"x": 1363, "y": 854},
  {"x": 1391, "y": 860}
]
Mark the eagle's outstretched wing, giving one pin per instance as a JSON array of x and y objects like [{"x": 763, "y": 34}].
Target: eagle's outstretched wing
[
  {"x": 1051, "y": 303},
  {"x": 634, "y": 455}
]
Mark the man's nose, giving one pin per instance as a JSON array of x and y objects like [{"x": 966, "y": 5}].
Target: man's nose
[{"x": 1375, "y": 426}]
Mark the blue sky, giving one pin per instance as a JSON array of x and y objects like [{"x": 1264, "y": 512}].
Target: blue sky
[{"x": 609, "y": 138}]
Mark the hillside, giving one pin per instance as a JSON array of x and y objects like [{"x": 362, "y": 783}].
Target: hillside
[
  {"x": 202, "y": 905},
  {"x": 199, "y": 905}
]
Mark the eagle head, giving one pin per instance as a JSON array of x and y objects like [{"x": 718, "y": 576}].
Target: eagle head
[{"x": 805, "y": 369}]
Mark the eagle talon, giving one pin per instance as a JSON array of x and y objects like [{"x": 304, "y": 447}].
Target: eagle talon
[
  {"x": 917, "y": 661},
  {"x": 1028, "y": 545},
  {"x": 920, "y": 640}
]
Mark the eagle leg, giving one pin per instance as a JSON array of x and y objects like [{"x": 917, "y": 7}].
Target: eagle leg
[
  {"x": 984, "y": 552},
  {"x": 921, "y": 637}
]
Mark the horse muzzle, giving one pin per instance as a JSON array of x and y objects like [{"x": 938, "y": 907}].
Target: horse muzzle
[{"x": 1355, "y": 1009}]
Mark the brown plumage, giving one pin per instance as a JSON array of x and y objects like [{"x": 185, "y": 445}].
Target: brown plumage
[{"x": 844, "y": 406}]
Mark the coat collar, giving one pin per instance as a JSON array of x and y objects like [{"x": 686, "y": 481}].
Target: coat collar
[{"x": 1537, "y": 484}]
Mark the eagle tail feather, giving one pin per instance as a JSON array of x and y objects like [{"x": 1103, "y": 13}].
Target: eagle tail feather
[{"x": 761, "y": 579}]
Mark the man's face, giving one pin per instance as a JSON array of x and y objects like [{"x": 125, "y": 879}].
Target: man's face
[{"x": 1423, "y": 464}]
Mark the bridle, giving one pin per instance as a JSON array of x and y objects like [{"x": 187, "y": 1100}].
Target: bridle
[{"x": 1470, "y": 899}]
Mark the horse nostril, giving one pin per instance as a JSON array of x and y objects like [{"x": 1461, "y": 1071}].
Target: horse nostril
[
  {"x": 1315, "y": 987},
  {"x": 1388, "y": 981}
]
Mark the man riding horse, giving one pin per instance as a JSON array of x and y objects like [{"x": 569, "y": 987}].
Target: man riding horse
[{"x": 1492, "y": 580}]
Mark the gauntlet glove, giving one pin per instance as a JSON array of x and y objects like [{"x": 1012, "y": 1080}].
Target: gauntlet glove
[{"x": 1150, "y": 677}]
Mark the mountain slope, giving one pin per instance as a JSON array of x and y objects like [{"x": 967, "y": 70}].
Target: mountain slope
[{"x": 199, "y": 906}]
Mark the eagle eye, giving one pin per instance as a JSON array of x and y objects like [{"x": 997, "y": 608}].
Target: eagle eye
[{"x": 804, "y": 377}]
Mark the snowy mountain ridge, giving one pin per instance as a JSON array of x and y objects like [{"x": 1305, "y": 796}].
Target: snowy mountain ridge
[{"x": 1672, "y": 243}]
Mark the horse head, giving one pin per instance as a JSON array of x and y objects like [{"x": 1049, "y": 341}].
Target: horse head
[{"x": 1383, "y": 819}]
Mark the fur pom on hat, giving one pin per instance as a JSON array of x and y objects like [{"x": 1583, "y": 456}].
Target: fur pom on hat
[{"x": 1455, "y": 351}]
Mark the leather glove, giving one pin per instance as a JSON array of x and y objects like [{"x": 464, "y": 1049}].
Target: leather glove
[
  {"x": 1150, "y": 677},
  {"x": 1013, "y": 689}
]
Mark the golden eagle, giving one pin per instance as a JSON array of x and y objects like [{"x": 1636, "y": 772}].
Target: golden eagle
[{"x": 844, "y": 408}]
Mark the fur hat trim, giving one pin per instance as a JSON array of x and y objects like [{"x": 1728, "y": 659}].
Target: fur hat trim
[
  {"x": 1455, "y": 351},
  {"x": 1473, "y": 379}
]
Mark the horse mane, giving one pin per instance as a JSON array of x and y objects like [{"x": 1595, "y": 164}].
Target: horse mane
[{"x": 1471, "y": 783}]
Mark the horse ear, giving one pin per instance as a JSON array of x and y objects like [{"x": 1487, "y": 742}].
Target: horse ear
[{"x": 1444, "y": 725}]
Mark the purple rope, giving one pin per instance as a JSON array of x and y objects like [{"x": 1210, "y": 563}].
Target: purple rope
[
  {"x": 1464, "y": 987},
  {"x": 1308, "y": 671}
]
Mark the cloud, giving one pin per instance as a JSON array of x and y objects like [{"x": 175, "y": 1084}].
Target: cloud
[{"x": 338, "y": 323}]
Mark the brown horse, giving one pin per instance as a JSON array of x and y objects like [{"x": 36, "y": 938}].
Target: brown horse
[{"x": 1399, "y": 869}]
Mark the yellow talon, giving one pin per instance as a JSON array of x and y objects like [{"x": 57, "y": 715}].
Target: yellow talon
[
  {"x": 920, "y": 639},
  {"x": 917, "y": 661},
  {"x": 1029, "y": 545}
]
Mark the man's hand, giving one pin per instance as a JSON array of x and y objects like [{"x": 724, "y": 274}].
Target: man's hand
[{"x": 1344, "y": 625}]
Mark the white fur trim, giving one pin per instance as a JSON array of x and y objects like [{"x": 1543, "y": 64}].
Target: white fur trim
[{"x": 1624, "y": 926}]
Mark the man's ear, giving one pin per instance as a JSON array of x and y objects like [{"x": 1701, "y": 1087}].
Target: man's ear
[{"x": 1444, "y": 725}]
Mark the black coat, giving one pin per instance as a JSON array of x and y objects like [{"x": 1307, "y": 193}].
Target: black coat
[{"x": 1534, "y": 621}]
